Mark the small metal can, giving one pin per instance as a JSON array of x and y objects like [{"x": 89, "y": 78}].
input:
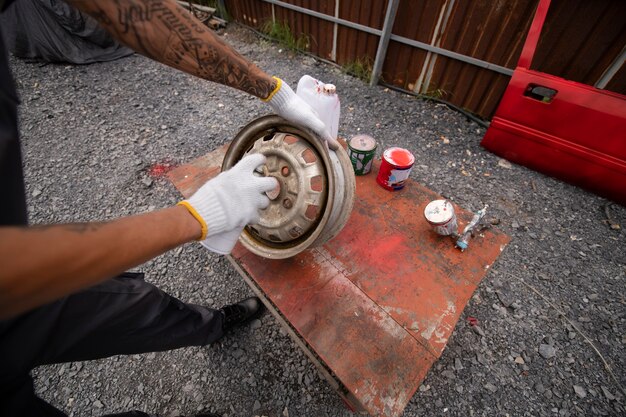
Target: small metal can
[
  {"x": 440, "y": 215},
  {"x": 361, "y": 150},
  {"x": 395, "y": 168}
]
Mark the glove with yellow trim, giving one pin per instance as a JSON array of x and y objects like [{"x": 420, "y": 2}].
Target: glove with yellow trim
[
  {"x": 232, "y": 199},
  {"x": 291, "y": 107}
]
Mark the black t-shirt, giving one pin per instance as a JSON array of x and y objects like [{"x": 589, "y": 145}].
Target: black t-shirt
[
  {"x": 12, "y": 194},
  {"x": 4, "y": 4}
]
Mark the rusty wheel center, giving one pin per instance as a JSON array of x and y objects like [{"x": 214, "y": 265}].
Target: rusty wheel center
[{"x": 297, "y": 202}]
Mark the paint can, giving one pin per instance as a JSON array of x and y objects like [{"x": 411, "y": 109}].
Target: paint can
[
  {"x": 441, "y": 217},
  {"x": 361, "y": 150},
  {"x": 395, "y": 168}
]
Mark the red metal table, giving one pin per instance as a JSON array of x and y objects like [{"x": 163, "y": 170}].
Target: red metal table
[{"x": 374, "y": 307}]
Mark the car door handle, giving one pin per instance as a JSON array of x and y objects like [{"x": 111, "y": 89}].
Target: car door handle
[{"x": 540, "y": 93}]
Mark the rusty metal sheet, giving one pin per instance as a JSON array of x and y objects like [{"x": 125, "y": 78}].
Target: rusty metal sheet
[
  {"x": 580, "y": 39},
  {"x": 374, "y": 358},
  {"x": 318, "y": 33},
  {"x": 378, "y": 303},
  {"x": 416, "y": 276},
  {"x": 618, "y": 83},
  {"x": 414, "y": 20},
  {"x": 491, "y": 31},
  {"x": 253, "y": 13},
  {"x": 353, "y": 45}
]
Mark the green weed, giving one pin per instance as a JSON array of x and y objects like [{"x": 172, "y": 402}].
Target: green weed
[
  {"x": 360, "y": 68},
  {"x": 281, "y": 33},
  {"x": 215, "y": 4},
  {"x": 438, "y": 93}
]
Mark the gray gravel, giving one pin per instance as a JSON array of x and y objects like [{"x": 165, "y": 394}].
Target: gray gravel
[{"x": 90, "y": 134}]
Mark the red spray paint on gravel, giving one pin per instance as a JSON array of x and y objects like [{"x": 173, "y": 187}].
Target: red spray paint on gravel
[{"x": 159, "y": 169}]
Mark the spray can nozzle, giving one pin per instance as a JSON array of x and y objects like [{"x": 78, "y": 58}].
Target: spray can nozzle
[{"x": 462, "y": 241}]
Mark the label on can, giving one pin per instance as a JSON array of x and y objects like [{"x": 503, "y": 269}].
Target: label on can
[
  {"x": 361, "y": 150},
  {"x": 395, "y": 168},
  {"x": 441, "y": 217}
]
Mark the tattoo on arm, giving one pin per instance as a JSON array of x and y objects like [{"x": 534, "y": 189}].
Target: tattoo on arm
[{"x": 168, "y": 33}]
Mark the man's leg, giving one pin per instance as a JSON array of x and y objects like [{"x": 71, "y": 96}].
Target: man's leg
[
  {"x": 19, "y": 399},
  {"x": 125, "y": 315}
]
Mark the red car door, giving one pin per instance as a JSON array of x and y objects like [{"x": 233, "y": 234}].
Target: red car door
[{"x": 563, "y": 128}]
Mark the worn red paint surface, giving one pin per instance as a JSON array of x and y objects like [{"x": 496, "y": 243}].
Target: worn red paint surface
[
  {"x": 378, "y": 303},
  {"x": 189, "y": 177}
]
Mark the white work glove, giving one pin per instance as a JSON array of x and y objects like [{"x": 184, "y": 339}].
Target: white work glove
[
  {"x": 290, "y": 106},
  {"x": 225, "y": 204},
  {"x": 223, "y": 243}
]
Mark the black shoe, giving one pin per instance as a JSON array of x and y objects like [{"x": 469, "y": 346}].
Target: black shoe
[{"x": 241, "y": 313}]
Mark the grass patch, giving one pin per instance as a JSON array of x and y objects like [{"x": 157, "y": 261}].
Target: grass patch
[
  {"x": 360, "y": 68},
  {"x": 438, "y": 93},
  {"x": 215, "y": 4},
  {"x": 281, "y": 33}
]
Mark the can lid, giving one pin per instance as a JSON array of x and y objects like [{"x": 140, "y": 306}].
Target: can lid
[
  {"x": 439, "y": 211},
  {"x": 362, "y": 143},
  {"x": 399, "y": 157},
  {"x": 330, "y": 89}
]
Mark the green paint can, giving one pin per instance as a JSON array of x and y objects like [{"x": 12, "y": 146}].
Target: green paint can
[{"x": 362, "y": 149}]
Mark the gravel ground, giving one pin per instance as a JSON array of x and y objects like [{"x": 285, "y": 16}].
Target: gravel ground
[{"x": 91, "y": 133}]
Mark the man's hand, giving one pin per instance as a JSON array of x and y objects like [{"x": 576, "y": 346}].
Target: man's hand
[
  {"x": 288, "y": 105},
  {"x": 232, "y": 199}
]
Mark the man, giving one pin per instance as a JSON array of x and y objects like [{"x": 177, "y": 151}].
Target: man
[{"x": 57, "y": 300}]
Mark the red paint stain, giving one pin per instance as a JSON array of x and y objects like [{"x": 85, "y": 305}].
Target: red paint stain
[
  {"x": 388, "y": 252},
  {"x": 472, "y": 321},
  {"x": 401, "y": 157},
  {"x": 159, "y": 169}
]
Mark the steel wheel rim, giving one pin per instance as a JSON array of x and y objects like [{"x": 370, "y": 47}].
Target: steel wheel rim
[{"x": 242, "y": 143}]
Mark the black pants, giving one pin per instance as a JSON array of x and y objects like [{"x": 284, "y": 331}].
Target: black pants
[{"x": 124, "y": 315}]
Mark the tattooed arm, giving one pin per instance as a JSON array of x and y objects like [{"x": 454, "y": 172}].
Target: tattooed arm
[
  {"x": 41, "y": 264},
  {"x": 166, "y": 32}
]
